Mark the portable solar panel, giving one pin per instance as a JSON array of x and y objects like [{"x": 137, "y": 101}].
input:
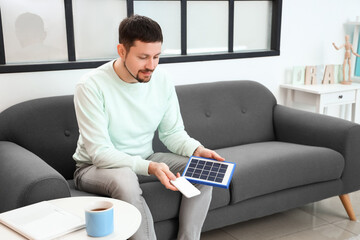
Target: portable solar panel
[{"x": 209, "y": 171}]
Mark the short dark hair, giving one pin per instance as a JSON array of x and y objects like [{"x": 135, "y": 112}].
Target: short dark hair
[{"x": 139, "y": 28}]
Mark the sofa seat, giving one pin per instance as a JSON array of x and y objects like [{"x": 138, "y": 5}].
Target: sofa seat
[
  {"x": 269, "y": 167},
  {"x": 261, "y": 168},
  {"x": 158, "y": 198}
]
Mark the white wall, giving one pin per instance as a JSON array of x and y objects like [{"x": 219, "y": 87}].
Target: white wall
[{"x": 308, "y": 29}]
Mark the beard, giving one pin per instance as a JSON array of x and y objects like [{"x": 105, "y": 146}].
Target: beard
[
  {"x": 137, "y": 77},
  {"x": 145, "y": 79}
]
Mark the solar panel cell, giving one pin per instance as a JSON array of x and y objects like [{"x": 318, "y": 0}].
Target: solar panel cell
[{"x": 209, "y": 171}]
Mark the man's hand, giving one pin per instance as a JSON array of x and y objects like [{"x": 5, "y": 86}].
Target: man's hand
[
  {"x": 207, "y": 153},
  {"x": 162, "y": 172}
]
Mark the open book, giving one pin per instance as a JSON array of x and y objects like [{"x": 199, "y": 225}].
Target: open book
[{"x": 41, "y": 221}]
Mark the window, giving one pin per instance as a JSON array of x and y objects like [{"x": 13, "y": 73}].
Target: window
[
  {"x": 168, "y": 15},
  {"x": 33, "y": 34},
  {"x": 96, "y": 23},
  {"x": 74, "y": 34},
  {"x": 207, "y": 26}
]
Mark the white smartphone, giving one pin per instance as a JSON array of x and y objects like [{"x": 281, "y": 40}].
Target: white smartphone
[{"x": 185, "y": 187}]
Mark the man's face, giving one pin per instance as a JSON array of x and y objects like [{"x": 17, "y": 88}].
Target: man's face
[{"x": 142, "y": 59}]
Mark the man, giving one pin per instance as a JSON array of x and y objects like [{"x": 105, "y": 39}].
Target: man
[{"x": 119, "y": 106}]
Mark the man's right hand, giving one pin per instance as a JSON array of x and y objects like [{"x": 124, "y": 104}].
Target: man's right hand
[{"x": 162, "y": 172}]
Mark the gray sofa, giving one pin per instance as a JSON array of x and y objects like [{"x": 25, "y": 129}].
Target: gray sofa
[{"x": 285, "y": 158}]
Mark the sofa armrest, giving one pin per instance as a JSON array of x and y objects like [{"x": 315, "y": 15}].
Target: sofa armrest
[
  {"x": 27, "y": 179},
  {"x": 314, "y": 129}
]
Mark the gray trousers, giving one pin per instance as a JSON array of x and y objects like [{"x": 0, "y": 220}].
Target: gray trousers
[{"x": 123, "y": 184}]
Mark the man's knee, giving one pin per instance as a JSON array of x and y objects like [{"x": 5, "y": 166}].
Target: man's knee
[
  {"x": 175, "y": 162},
  {"x": 205, "y": 189},
  {"x": 124, "y": 185}
]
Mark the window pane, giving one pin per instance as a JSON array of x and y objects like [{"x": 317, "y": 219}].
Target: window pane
[
  {"x": 96, "y": 24},
  {"x": 207, "y": 26},
  {"x": 252, "y": 31},
  {"x": 34, "y": 31},
  {"x": 167, "y": 14}
]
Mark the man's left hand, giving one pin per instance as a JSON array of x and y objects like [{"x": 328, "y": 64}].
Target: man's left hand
[{"x": 207, "y": 153}]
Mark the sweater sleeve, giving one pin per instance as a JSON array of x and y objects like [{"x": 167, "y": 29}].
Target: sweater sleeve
[
  {"x": 172, "y": 131},
  {"x": 92, "y": 121}
]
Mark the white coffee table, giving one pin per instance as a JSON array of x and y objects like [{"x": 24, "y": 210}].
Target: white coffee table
[{"x": 127, "y": 219}]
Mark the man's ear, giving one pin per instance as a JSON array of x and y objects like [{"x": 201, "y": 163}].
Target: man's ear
[{"x": 121, "y": 50}]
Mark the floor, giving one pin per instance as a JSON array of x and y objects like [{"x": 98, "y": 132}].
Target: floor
[{"x": 322, "y": 220}]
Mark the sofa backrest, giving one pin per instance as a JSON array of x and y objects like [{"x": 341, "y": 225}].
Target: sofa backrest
[
  {"x": 220, "y": 114},
  {"x": 227, "y": 113},
  {"x": 47, "y": 127}
]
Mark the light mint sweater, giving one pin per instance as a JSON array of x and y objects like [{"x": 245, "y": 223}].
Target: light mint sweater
[{"x": 117, "y": 120}]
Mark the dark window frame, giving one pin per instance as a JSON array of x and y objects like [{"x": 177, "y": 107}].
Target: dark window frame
[{"x": 74, "y": 64}]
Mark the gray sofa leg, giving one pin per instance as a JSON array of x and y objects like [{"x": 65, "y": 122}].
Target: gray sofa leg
[{"x": 345, "y": 199}]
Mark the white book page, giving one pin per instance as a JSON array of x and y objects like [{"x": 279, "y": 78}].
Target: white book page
[{"x": 42, "y": 221}]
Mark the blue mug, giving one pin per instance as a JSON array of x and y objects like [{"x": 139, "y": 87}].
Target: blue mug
[{"x": 99, "y": 218}]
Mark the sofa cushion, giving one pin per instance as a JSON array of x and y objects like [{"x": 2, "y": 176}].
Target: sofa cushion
[
  {"x": 268, "y": 167},
  {"x": 47, "y": 127},
  {"x": 227, "y": 113},
  {"x": 78, "y": 193}
]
